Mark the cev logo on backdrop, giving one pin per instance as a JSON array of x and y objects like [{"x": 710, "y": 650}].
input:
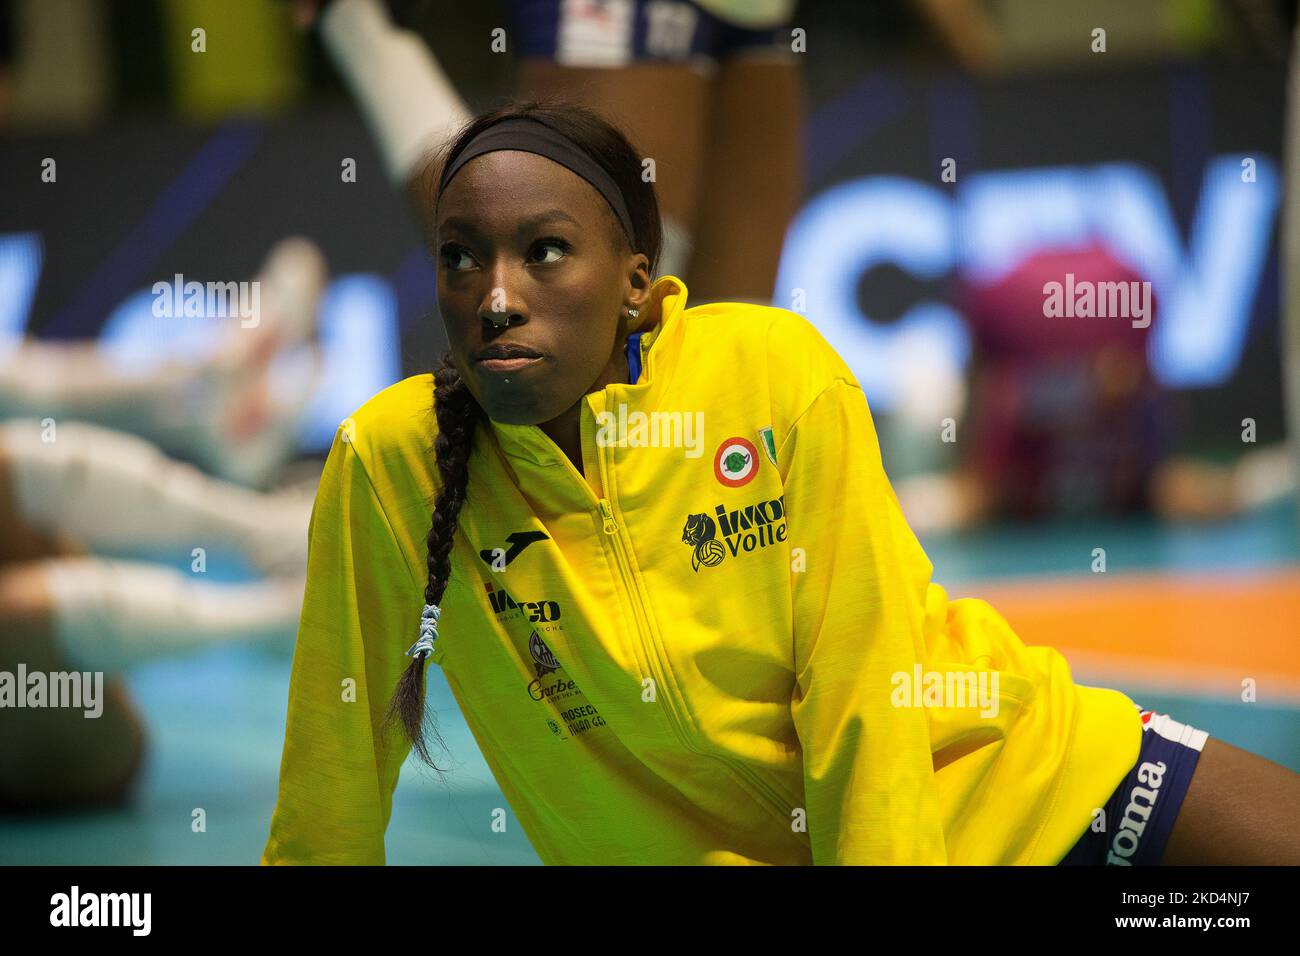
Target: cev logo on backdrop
[
  {"x": 1206, "y": 288},
  {"x": 995, "y": 220}
]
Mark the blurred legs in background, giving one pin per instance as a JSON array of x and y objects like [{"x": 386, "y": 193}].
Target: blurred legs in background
[
  {"x": 674, "y": 138},
  {"x": 63, "y": 610},
  {"x": 222, "y": 412},
  {"x": 111, "y": 615},
  {"x": 702, "y": 104},
  {"x": 115, "y": 492},
  {"x": 407, "y": 100},
  {"x": 753, "y": 179},
  {"x": 718, "y": 106},
  {"x": 54, "y": 757}
]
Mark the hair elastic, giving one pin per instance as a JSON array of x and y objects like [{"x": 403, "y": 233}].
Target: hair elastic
[{"x": 428, "y": 632}]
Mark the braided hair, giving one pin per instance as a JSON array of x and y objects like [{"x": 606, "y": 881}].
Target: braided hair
[{"x": 458, "y": 412}]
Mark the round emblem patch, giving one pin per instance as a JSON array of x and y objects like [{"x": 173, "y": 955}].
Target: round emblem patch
[{"x": 736, "y": 462}]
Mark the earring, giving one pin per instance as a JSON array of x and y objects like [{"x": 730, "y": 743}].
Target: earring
[{"x": 634, "y": 312}]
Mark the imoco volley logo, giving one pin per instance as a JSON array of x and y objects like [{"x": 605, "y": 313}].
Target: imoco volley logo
[{"x": 742, "y": 530}]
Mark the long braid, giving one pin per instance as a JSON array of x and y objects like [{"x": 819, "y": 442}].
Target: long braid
[{"x": 458, "y": 414}]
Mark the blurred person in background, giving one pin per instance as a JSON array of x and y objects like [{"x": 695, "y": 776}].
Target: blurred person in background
[
  {"x": 1066, "y": 419},
  {"x": 221, "y": 410},
  {"x": 76, "y": 495},
  {"x": 710, "y": 91},
  {"x": 66, "y": 606}
]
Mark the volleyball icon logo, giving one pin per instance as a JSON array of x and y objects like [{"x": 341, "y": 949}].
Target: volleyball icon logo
[
  {"x": 736, "y": 462},
  {"x": 699, "y": 533}
]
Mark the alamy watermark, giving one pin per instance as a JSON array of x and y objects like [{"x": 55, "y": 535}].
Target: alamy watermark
[
  {"x": 1086, "y": 299},
  {"x": 178, "y": 299},
  {"x": 84, "y": 690},
  {"x": 75, "y": 908},
  {"x": 656, "y": 429},
  {"x": 922, "y": 688}
]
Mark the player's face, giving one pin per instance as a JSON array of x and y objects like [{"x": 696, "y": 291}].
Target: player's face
[{"x": 520, "y": 236}]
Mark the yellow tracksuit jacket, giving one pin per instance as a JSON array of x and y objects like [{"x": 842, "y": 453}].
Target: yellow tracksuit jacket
[{"x": 713, "y": 648}]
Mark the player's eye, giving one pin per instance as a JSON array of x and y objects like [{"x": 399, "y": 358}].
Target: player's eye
[
  {"x": 452, "y": 253},
  {"x": 553, "y": 243}
]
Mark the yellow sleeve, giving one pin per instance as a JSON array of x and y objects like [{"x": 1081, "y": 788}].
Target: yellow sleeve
[
  {"x": 859, "y": 610},
  {"x": 360, "y": 613}
]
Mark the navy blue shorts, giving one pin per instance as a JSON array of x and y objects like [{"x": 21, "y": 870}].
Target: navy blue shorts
[
  {"x": 1140, "y": 814},
  {"x": 611, "y": 33}
]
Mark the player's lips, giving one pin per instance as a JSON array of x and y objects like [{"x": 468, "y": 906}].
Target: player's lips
[
  {"x": 506, "y": 357},
  {"x": 507, "y": 365}
]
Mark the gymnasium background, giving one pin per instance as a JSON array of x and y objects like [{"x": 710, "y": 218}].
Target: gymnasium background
[{"x": 170, "y": 163}]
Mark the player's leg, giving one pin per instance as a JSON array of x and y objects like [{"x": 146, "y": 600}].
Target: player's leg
[
  {"x": 53, "y": 758},
  {"x": 1240, "y": 810},
  {"x": 662, "y": 106},
  {"x": 645, "y": 66},
  {"x": 113, "y": 492},
  {"x": 1193, "y": 799},
  {"x": 108, "y": 614},
  {"x": 112, "y": 615},
  {"x": 753, "y": 178},
  {"x": 219, "y": 410},
  {"x": 22, "y": 541},
  {"x": 57, "y": 757}
]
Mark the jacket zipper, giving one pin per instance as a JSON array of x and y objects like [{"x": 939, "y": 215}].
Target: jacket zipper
[
  {"x": 609, "y": 525},
  {"x": 633, "y": 586}
]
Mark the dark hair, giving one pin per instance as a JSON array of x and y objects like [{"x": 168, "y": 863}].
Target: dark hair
[{"x": 458, "y": 412}]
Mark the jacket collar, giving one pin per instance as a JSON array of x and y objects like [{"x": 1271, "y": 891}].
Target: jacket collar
[{"x": 660, "y": 347}]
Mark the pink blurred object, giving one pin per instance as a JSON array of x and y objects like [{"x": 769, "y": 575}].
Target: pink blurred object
[{"x": 1066, "y": 416}]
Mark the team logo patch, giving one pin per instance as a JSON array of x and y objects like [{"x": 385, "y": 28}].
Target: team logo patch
[
  {"x": 737, "y": 531},
  {"x": 701, "y": 534},
  {"x": 736, "y": 462},
  {"x": 568, "y": 708},
  {"x": 768, "y": 442}
]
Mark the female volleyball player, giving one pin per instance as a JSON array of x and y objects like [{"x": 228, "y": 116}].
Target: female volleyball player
[{"x": 671, "y": 589}]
